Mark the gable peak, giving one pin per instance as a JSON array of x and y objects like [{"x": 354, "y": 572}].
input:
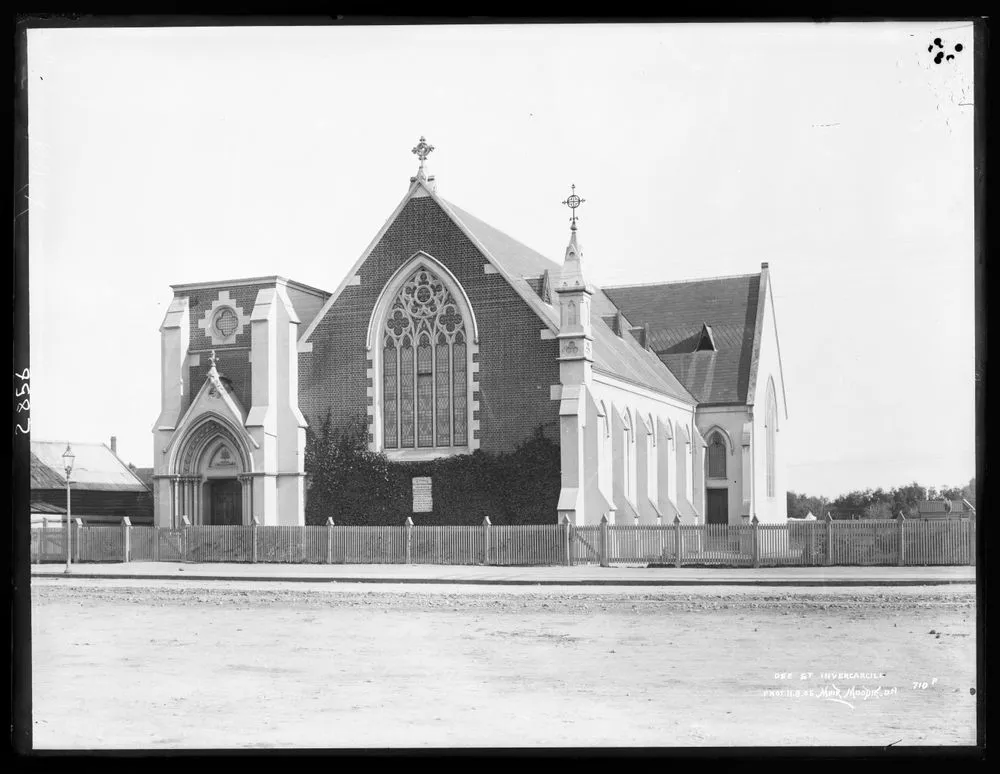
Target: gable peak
[{"x": 422, "y": 150}]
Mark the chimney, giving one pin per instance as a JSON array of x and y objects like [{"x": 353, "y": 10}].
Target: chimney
[{"x": 114, "y": 445}]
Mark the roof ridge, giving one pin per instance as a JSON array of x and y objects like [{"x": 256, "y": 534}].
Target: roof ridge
[{"x": 678, "y": 282}]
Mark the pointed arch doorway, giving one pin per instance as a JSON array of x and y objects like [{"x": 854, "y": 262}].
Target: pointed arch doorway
[{"x": 212, "y": 484}]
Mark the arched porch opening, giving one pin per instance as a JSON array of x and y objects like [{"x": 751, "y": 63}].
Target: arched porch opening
[{"x": 211, "y": 481}]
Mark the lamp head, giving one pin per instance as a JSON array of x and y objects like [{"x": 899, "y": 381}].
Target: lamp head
[{"x": 68, "y": 459}]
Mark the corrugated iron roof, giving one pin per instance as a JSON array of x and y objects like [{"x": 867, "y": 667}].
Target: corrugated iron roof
[
  {"x": 95, "y": 468},
  {"x": 676, "y": 313},
  {"x": 42, "y": 476}
]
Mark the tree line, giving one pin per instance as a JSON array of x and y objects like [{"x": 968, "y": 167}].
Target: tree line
[{"x": 876, "y": 503}]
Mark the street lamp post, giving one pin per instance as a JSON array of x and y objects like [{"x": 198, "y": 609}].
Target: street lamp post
[{"x": 68, "y": 458}]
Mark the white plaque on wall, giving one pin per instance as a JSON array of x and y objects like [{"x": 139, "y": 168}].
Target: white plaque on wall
[{"x": 422, "y": 502}]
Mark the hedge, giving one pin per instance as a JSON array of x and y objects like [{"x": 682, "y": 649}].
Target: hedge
[{"x": 356, "y": 486}]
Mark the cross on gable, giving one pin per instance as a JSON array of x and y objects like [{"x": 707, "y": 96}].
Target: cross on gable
[{"x": 422, "y": 150}]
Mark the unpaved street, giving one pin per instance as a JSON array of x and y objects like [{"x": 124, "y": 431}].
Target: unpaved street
[{"x": 164, "y": 664}]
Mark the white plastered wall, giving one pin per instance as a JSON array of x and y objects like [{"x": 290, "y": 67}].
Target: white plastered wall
[
  {"x": 618, "y": 395},
  {"x": 729, "y": 420},
  {"x": 769, "y": 509}
]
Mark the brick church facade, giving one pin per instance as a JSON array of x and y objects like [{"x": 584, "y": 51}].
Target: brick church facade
[{"x": 448, "y": 336}]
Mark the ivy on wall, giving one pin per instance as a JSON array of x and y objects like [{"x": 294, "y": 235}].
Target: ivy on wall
[{"x": 356, "y": 486}]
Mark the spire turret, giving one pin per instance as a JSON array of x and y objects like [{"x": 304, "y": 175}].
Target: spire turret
[{"x": 574, "y": 296}]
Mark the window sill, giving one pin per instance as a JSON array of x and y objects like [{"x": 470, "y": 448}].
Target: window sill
[{"x": 423, "y": 455}]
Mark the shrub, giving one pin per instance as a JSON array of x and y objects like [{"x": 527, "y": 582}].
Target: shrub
[{"x": 361, "y": 487}]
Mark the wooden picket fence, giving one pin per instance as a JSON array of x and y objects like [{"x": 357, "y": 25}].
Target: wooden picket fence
[{"x": 820, "y": 543}]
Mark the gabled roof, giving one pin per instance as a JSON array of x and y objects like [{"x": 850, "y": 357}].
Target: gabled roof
[
  {"x": 95, "y": 468},
  {"x": 522, "y": 266},
  {"x": 620, "y": 356},
  {"x": 677, "y": 313}
]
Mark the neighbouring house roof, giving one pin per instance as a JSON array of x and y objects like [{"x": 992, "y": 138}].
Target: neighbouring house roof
[
  {"x": 95, "y": 468},
  {"x": 677, "y": 314},
  {"x": 934, "y": 507},
  {"x": 37, "y": 506},
  {"x": 145, "y": 475}
]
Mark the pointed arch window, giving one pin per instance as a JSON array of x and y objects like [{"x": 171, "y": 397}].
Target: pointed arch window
[
  {"x": 424, "y": 368},
  {"x": 628, "y": 455},
  {"x": 604, "y": 470},
  {"x": 716, "y": 455},
  {"x": 652, "y": 463}
]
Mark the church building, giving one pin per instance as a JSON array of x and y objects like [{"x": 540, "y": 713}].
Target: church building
[{"x": 447, "y": 336}]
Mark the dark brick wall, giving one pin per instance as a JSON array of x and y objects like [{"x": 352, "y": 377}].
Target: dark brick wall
[
  {"x": 234, "y": 365},
  {"x": 233, "y": 360},
  {"x": 516, "y": 366}
]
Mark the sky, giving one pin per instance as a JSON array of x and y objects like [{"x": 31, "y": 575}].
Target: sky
[{"x": 841, "y": 154}]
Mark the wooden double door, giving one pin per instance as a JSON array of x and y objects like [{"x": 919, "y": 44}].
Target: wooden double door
[
  {"x": 717, "y": 506},
  {"x": 225, "y": 502}
]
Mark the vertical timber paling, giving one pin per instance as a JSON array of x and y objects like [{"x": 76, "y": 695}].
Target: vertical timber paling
[
  {"x": 678, "y": 542},
  {"x": 605, "y": 561}
]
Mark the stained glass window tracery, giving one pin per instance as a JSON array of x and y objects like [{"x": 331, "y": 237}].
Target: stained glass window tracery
[{"x": 424, "y": 388}]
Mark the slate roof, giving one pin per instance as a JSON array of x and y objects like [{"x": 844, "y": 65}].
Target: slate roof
[
  {"x": 95, "y": 468},
  {"x": 516, "y": 257},
  {"x": 676, "y": 312},
  {"x": 620, "y": 356}
]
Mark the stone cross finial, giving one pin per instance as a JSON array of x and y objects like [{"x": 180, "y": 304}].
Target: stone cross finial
[
  {"x": 212, "y": 358},
  {"x": 573, "y": 201},
  {"x": 422, "y": 150}
]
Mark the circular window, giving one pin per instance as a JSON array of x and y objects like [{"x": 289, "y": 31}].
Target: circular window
[{"x": 226, "y": 322}]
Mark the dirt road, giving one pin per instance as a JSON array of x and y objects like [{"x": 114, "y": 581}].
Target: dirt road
[{"x": 160, "y": 664}]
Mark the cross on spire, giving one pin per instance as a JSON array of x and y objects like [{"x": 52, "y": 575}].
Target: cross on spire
[
  {"x": 211, "y": 358},
  {"x": 573, "y": 201}
]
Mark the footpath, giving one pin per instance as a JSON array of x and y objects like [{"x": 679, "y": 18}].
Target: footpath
[{"x": 519, "y": 576}]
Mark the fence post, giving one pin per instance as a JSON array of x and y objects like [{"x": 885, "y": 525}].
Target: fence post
[
  {"x": 253, "y": 540},
  {"x": 604, "y": 541},
  {"x": 329, "y": 539},
  {"x": 972, "y": 540},
  {"x": 829, "y": 538},
  {"x": 409, "y": 539},
  {"x": 486, "y": 539},
  {"x": 126, "y": 539},
  {"x": 185, "y": 523},
  {"x": 78, "y": 523},
  {"x": 678, "y": 541},
  {"x": 900, "y": 522},
  {"x": 755, "y": 540},
  {"x": 566, "y": 540}
]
